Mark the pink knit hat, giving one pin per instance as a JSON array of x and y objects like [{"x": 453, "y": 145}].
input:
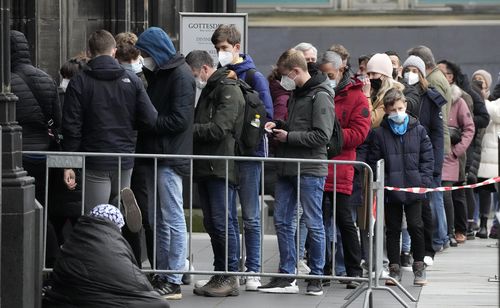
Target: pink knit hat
[
  {"x": 485, "y": 75},
  {"x": 380, "y": 63}
]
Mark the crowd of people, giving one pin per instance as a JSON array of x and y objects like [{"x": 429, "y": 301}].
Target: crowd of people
[{"x": 431, "y": 124}]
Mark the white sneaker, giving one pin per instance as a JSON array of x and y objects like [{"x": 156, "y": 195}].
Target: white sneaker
[
  {"x": 252, "y": 283},
  {"x": 428, "y": 261},
  {"x": 303, "y": 269},
  {"x": 200, "y": 283}
]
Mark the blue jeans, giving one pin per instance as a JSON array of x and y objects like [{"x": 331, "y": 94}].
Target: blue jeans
[
  {"x": 440, "y": 235},
  {"x": 405, "y": 236},
  {"x": 212, "y": 194},
  {"x": 285, "y": 221},
  {"x": 249, "y": 188},
  {"x": 302, "y": 235},
  {"x": 171, "y": 224}
]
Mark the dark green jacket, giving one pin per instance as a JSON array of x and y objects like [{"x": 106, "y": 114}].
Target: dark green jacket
[
  {"x": 218, "y": 118},
  {"x": 309, "y": 126}
]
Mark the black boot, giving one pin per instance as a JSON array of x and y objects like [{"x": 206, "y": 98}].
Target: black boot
[
  {"x": 470, "y": 230},
  {"x": 483, "y": 228}
]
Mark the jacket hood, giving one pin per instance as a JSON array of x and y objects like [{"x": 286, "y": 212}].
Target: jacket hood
[
  {"x": 157, "y": 44},
  {"x": 456, "y": 92},
  {"x": 19, "y": 49},
  {"x": 244, "y": 66},
  {"x": 104, "y": 68},
  {"x": 317, "y": 80},
  {"x": 219, "y": 75}
]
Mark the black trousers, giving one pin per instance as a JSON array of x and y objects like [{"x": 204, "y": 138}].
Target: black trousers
[
  {"x": 471, "y": 203},
  {"x": 348, "y": 232},
  {"x": 428, "y": 227},
  {"x": 142, "y": 184},
  {"x": 393, "y": 219},
  {"x": 455, "y": 206}
]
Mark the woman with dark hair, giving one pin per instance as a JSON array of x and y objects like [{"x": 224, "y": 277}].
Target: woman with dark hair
[{"x": 472, "y": 160}]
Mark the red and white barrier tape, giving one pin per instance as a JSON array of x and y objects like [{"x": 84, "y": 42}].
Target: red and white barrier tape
[{"x": 420, "y": 190}]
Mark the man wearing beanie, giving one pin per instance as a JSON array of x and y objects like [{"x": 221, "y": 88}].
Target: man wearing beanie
[
  {"x": 485, "y": 78},
  {"x": 171, "y": 87}
]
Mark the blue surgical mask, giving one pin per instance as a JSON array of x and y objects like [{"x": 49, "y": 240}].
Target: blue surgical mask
[
  {"x": 398, "y": 117},
  {"x": 333, "y": 83}
]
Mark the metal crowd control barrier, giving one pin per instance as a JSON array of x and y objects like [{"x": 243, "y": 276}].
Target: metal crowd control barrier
[{"x": 369, "y": 284}]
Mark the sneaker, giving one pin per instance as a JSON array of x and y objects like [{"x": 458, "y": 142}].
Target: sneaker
[
  {"x": 314, "y": 287},
  {"x": 219, "y": 286},
  {"x": 351, "y": 285},
  {"x": 187, "y": 278},
  {"x": 252, "y": 283},
  {"x": 453, "y": 241},
  {"x": 470, "y": 234},
  {"x": 280, "y": 285},
  {"x": 395, "y": 273},
  {"x": 406, "y": 259},
  {"x": 428, "y": 260},
  {"x": 166, "y": 289},
  {"x": 200, "y": 283},
  {"x": 419, "y": 272},
  {"x": 133, "y": 216},
  {"x": 303, "y": 269}
]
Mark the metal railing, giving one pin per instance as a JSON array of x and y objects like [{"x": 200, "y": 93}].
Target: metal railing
[{"x": 77, "y": 160}]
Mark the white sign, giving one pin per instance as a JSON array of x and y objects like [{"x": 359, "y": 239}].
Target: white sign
[{"x": 196, "y": 30}]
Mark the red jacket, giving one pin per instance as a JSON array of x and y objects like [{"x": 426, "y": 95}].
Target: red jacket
[{"x": 352, "y": 110}]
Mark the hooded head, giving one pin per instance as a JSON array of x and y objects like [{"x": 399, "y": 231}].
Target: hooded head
[
  {"x": 108, "y": 212},
  {"x": 19, "y": 48},
  {"x": 380, "y": 63},
  {"x": 156, "y": 43}
]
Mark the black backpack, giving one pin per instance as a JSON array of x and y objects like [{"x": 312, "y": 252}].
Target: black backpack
[
  {"x": 334, "y": 146},
  {"x": 254, "y": 118}
]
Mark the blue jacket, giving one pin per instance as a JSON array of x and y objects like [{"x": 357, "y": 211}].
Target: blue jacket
[
  {"x": 409, "y": 159},
  {"x": 430, "y": 116},
  {"x": 260, "y": 85}
]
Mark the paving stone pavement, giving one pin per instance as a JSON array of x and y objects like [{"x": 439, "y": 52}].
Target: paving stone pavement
[{"x": 458, "y": 278}]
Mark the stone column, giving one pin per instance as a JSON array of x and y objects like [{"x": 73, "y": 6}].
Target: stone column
[{"x": 21, "y": 217}]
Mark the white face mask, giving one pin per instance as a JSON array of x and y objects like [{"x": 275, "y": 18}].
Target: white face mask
[
  {"x": 287, "y": 83},
  {"x": 200, "y": 84},
  {"x": 225, "y": 58},
  {"x": 333, "y": 83},
  {"x": 411, "y": 78},
  {"x": 64, "y": 84},
  {"x": 133, "y": 67},
  {"x": 149, "y": 63}
]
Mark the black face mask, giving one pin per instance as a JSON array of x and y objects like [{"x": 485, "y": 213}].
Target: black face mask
[
  {"x": 376, "y": 84},
  {"x": 394, "y": 74}
]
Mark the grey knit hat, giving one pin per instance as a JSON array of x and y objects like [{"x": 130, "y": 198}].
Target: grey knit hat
[
  {"x": 416, "y": 62},
  {"x": 108, "y": 212}
]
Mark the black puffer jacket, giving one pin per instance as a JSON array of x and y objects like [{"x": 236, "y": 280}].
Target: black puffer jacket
[
  {"x": 409, "y": 159},
  {"x": 97, "y": 268},
  {"x": 37, "y": 104}
]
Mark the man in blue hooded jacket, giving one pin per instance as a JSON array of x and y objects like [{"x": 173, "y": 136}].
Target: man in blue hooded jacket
[
  {"x": 227, "y": 43},
  {"x": 171, "y": 87}
]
